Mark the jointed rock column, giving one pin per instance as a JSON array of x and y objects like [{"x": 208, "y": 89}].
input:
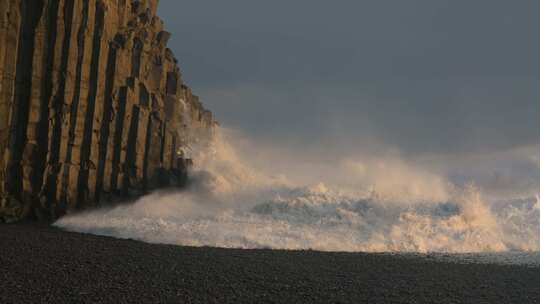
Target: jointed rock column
[{"x": 92, "y": 105}]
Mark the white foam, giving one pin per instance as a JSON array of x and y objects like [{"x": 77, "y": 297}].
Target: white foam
[{"x": 231, "y": 205}]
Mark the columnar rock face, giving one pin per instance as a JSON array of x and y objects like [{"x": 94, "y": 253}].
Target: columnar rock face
[{"x": 92, "y": 105}]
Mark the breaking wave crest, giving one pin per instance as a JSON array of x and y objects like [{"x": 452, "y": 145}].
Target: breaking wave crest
[{"x": 231, "y": 205}]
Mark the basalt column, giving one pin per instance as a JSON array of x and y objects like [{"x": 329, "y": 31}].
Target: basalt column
[{"x": 93, "y": 107}]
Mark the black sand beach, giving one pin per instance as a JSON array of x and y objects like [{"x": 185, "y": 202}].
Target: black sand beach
[{"x": 41, "y": 264}]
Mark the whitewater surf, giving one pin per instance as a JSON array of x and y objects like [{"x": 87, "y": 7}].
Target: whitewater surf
[{"x": 231, "y": 205}]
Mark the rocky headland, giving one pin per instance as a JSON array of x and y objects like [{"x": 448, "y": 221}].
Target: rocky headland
[{"x": 93, "y": 107}]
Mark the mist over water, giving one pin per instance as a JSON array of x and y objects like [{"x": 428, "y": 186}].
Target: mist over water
[{"x": 240, "y": 199}]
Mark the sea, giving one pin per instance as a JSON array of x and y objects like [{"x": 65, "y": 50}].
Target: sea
[{"x": 229, "y": 204}]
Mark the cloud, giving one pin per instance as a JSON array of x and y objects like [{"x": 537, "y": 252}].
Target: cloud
[{"x": 450, "y": 80}]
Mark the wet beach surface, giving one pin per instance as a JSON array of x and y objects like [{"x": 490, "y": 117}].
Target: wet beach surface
[{"x": 42, "y": 264}]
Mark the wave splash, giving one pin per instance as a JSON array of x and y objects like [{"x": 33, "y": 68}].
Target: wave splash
[{"x": 231, "y": 205}]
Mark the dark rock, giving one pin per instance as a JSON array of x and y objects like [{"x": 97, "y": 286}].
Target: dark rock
[{"x": 91, "y": 101}]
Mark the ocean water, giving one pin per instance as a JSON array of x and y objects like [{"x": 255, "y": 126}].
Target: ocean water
[{"x": 231, "y": 205}]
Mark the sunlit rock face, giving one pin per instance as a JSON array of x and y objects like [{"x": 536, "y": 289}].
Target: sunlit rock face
[{"x": 92, "y": 105}]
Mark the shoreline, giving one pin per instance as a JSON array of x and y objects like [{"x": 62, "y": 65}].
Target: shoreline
[{"x": 41, "y": 263}]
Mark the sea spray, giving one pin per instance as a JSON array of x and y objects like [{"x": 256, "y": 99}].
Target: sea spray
[{"x": 230, "y": 204}]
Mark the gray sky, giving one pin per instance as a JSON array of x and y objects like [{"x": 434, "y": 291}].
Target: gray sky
[{"x": 443, "y": 77}]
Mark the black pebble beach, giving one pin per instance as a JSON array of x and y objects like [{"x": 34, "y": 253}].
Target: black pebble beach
[{"x": 42, "y": 264}]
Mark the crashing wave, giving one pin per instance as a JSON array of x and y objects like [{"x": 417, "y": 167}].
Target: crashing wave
[{"x": 231, "y": 205}]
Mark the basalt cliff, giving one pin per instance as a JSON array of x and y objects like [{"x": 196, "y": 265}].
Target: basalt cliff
[{"x": 92, "y": 106}]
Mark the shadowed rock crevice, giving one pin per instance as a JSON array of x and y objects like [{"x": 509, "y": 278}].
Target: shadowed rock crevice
[
  {"x": 30, "y": 12},
  {"x": 74, "y": 107},
  {"x": 118, "y": 131},
  {"x": 93, "y": 106},
  {"x": 130, "y": 169},
  {"x": 106, "y": 120},
  {"x": 57, "y": 113},
  {"x": 42, "y": 128},
  {"x": 86, "y": 164}
]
